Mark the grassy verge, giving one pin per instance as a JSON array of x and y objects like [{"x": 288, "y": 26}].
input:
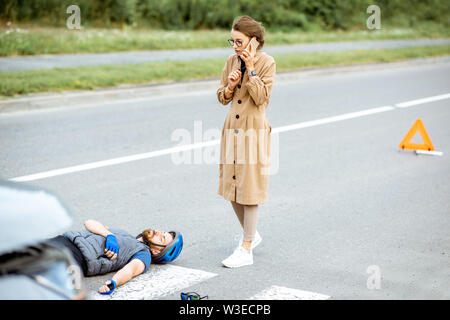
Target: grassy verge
[
  {"x": 59, "y": 79},
  {"x": 31, "y": 40}
]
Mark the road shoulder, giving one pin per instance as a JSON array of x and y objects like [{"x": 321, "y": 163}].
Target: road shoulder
[{"x": 147, "y": 92}]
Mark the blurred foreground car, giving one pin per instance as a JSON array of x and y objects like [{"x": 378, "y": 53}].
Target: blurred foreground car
[{"x": 30, "y": 268}]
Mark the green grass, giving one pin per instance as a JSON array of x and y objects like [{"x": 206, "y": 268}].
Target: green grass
[
  {"x": 59, "y": 79},
  {"x": 31, "y": 40}
]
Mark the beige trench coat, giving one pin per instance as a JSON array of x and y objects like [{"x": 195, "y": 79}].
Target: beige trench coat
[{"x": 245, "y": 142}]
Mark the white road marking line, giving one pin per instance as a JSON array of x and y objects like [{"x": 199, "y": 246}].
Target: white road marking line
[
  {"x": 158, "y": 281},
  {"x": 341, "y": 117},
  {"x": 423, "y": 100},
  {"x": 158, "y": 153},
  {"x": 110, "y": 162},
  {"x": 283, "y": 293}
]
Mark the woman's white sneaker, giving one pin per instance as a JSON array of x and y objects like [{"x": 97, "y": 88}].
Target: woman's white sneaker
[
  {"x": 240, "y": 257},
  {"x": 255, "y": 242}
]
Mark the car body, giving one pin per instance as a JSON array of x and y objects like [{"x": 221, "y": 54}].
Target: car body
[{"x": 31, "y": 268}]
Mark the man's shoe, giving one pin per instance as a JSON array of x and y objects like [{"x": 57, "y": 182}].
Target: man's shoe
[{"x": 239, "y": 258}]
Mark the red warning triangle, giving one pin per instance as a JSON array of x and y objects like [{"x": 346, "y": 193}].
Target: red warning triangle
[{"x": 406, "y": 144}]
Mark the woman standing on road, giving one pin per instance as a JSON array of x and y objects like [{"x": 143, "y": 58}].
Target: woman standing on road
[{"x": 247, "y": 80}]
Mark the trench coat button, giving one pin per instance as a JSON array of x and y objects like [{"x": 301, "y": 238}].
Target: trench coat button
[
  {"x": 236, "y": 131},
  {"x": 234, "y": 161},
  {"x": 239, "y": 86},
  {"x": 234, "y": 177},
  {"x": 237, "y": 116},
  {"x": 239, "y": 101}
]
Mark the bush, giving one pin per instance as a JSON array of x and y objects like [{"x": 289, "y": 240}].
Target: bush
[{"x": 201, "y": 14}]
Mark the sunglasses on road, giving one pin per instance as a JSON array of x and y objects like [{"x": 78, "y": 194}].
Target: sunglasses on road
[{"x": 191, "y": 296}]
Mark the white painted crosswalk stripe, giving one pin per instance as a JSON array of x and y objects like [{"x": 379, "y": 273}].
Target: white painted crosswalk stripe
[
  {"x": 157, "y": 282},
  {"x": 283, "y": 293}
]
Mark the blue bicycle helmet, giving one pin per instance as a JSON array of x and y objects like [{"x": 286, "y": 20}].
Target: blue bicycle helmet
[{"x": 170, "y": 251}]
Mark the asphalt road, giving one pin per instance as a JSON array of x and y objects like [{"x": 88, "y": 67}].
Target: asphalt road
[
  {"x": 343, "y": 202},
  {"x": 74, "y": 60}
]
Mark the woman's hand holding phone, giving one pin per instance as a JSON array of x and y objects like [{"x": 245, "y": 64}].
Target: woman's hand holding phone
[{"x": 249, "y": 53}]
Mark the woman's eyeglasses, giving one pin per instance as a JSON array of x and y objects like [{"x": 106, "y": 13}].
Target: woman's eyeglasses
[
  {"x": 191, "y": 296},
  {"x": 238, "y": 42}
]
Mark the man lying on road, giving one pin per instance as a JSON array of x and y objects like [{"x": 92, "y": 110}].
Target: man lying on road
[{"x": 99, "y": 250}]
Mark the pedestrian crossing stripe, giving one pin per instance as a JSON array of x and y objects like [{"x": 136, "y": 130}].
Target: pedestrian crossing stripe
[
  {"x": 164, "y": 280},
  {"x": 157, "y": 282},
  {"x": 283, "y": 293},
  {"x": 417, "y": 126}
]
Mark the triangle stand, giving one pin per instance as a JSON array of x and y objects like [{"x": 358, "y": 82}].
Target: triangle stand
[{"x": 420, "y": 148}]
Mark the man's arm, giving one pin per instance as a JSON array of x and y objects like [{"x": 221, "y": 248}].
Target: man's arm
[
  {"x": 132, "y": 269},
  {"x": 97, "y": 228},
  {"x": 111, "y": 246}
]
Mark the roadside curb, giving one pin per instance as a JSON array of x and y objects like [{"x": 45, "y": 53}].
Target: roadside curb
[{"x": 41, "y": 101}]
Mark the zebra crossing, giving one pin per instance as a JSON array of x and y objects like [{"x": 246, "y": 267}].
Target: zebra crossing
[{"x": 163, "y": 280}]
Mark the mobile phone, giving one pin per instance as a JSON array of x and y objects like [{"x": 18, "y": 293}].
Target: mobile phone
[{"x": 254, "y": 43}]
